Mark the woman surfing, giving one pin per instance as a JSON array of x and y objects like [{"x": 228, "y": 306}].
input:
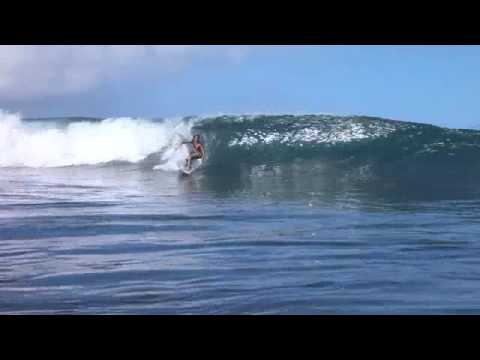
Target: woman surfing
[{"x": 197, "y": 153}]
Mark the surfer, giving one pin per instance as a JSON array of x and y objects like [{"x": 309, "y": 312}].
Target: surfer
[{"x": 197, "y": 153}]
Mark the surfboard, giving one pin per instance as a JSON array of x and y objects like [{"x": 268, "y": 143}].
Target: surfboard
[
  {"x": 186, "y": 172},
  {"x": 195, "y": 165}
]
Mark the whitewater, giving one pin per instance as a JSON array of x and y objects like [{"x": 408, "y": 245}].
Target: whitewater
[{"x": 47, "y": 144}]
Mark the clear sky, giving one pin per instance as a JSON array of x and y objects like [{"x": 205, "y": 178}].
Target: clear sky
[{"x": 432, "y": 84}]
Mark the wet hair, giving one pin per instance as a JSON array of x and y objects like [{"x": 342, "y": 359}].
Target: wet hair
[{"x": 197, "y": 137}]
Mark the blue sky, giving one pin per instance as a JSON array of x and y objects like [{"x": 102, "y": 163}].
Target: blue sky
[{"x": 432, "y": 84}]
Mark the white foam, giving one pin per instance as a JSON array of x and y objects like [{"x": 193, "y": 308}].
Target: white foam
[
  {"x": 173, "y": 159},
  {"x": 84, "y": 143}
]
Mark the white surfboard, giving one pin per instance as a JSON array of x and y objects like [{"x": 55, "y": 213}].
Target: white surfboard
[{"x": 195, "y": 165}]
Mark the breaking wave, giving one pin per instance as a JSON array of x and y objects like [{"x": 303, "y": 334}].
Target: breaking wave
[
  {"x": 354, "y": 147},
  {"x": 66, "y": 142}
]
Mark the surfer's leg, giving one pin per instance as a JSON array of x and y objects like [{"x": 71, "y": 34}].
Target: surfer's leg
[
  {"x": 192, "y": 157},
  {"x": 188, "y": 164}
]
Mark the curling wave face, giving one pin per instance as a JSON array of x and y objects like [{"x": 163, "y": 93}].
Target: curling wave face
[{"x": 283, "y": 138}]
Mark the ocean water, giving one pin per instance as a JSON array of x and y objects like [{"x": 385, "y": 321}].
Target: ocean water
[{"x": 288, "y": 214}]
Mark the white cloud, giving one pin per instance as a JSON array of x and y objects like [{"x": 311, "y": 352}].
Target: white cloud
[{"x": 35, "y": 71}]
